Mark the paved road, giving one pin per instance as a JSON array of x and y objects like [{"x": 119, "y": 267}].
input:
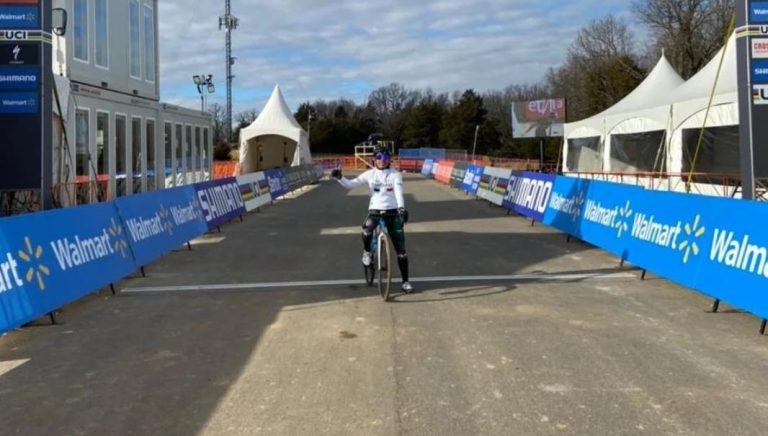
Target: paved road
[{"x": 567, "y": 343}]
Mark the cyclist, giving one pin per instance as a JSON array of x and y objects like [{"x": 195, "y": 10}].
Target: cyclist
[{"x": 386, "y": 189}]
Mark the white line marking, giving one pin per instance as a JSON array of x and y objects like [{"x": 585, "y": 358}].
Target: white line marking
[{"x": 247, "y": 286}]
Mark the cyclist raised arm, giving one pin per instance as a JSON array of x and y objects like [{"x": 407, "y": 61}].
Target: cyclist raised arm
[{"x": 385, "y": 186}]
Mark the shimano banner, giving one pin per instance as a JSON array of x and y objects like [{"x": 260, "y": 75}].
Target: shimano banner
[
  {"x": 278, "y": 186},
  {"x": 49, "y": 259},
  {"x": 528, "y": 194},
  {"x": 157, "y": 222},
  {"x": 220, "y": 201}
]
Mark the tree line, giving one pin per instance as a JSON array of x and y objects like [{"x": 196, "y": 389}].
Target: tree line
[{"x": 601, "y": 66}]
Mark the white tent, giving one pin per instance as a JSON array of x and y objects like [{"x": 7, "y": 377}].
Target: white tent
[
  {"x": 274, "y": 139},
  {"x": 663, "y": 105},
  {"x": 629, "y": 115}
]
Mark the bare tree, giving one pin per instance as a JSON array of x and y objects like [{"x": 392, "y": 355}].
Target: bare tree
[
  {"x": 390, "y": 104},
  {"x": 219, "y": 118},
  {"x": 600, "y": 68},
  {"x": 690, "y": 31}
]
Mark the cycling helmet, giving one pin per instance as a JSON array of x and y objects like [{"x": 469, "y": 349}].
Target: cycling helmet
[{"x": 382, "y": 154}]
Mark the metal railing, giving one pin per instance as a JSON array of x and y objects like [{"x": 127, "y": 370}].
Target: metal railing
[{"x": 714, "y": 184}]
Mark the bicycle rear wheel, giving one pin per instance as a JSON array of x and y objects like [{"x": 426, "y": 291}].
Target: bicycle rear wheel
[{"x": 384, "y": 265}]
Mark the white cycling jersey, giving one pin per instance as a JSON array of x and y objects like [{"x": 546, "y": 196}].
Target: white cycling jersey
[{"x": 385, "y": 187}]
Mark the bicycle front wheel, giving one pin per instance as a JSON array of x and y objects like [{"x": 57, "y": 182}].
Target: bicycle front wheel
[{"x": 384, "y": 265}]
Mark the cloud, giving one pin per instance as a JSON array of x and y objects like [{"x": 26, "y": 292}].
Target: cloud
[{"x": 348, "y": 48}]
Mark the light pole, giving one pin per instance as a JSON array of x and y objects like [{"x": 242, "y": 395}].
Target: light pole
[
  {"x": 204, "y": 85},
  {"x": 474, "y": 143}
]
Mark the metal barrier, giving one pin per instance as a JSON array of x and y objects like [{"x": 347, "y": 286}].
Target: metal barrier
[{"x": 714, "y": 184}]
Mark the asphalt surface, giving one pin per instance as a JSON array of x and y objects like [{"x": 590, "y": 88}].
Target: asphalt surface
[{"x": 566, "y": 343}]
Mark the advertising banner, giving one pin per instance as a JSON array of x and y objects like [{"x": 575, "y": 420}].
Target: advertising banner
[
  {"x": 493, "y": 184},
  {"x": 26, "y": 116},
  {"x": 157, "y": 222},
  {"x": 426, "y": 169},
  {"x": 528, "y": 193},
  {"x": 457, "y": 176},
  {"x": 709, "y": 244},
  {"x": 539, "y": 118},
  {"x": 220, "y": 201},
  {"x": 444, "y": 172},
  {"x": 254, "y": 189},
  {"x": 472, "y": 178},
  {"x": 49, "y": 259},
  {"x": 278, "y": 186}
]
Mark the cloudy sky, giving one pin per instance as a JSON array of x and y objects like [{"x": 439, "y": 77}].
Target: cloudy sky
[{"x": 326, "y": 49}]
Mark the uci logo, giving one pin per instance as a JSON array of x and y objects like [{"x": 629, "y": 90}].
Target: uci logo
[
  {"x": 15, "y": 35},
  {"x": 760, "y": 94}
]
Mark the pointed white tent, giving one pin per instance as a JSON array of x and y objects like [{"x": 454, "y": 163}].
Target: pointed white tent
[
  {"x": 662, "y": 103},
  {"x": 628, "y": 115},
  {"x": 274, "y": 139}
]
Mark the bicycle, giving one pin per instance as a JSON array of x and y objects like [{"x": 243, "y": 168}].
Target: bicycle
[{"x": 381, "y": 261}]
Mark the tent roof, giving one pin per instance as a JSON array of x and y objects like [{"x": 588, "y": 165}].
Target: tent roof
[
  {"x": 700, "y": 85},
  {"x": 275, "y": 116},
  {"x": 651, "y": 92}
]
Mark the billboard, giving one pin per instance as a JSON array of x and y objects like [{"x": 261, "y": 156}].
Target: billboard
[
  {"x": 25, "y": 97},
  {"x": 538, "y": 119}
]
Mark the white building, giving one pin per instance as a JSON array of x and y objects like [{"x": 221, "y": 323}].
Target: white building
[{"x": 118, "y": 138}]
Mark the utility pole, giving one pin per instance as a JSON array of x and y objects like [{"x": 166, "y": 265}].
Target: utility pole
[
  {"x": 229, "y": 23},
  {"x": 474, "y": 143}
]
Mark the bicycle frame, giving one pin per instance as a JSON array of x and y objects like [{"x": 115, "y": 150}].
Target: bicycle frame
[{"x": 380, "y": 227}]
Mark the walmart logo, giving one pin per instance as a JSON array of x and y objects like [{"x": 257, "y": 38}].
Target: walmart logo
[
  {"x": 692, "y": 233},
  {"x": 578, "y": 202},
  {"x": 567, "y": 205},
  {"x": 36, "y": 271},
  {"x": 120, "y": 245},
  {"x": 622, "y": 220},
  {"x": 167, "y": 219}
]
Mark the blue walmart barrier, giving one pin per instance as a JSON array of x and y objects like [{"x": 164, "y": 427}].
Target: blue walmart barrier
[
  {"x": 710, "y": 244},
  {"x": 717, "y": 246},
  {"x": 49, "y": 259},
  {"x": 158, "y": 222},
  {"x": 220, "y": 201}
]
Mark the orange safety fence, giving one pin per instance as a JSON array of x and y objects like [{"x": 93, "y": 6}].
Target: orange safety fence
[
  {"x": 82, "y": 191},
  {"x": 225, "y": 168}
]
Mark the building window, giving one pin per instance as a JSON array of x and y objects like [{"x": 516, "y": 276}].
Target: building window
[
  {"x": 205, "y": 152},
  {"x": 81, "y": 30},
  {"x": 149, "y": 44},
  {"x": 120, "y": 151},
  {"x": 168, "y": 170},
  {"x": 178, "y": 153},
  {"x": 198, "y": 153},
  {"x": 136, "y": 169},
  {"x": 82, "y": 136},
  {"x": 102, "y": 145},
  {"x": 189, "y": 169},
  {"x": 100, "y": 33},
  {"x": 135, "y": 39},
  {"x": 150, "y": 131}
]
